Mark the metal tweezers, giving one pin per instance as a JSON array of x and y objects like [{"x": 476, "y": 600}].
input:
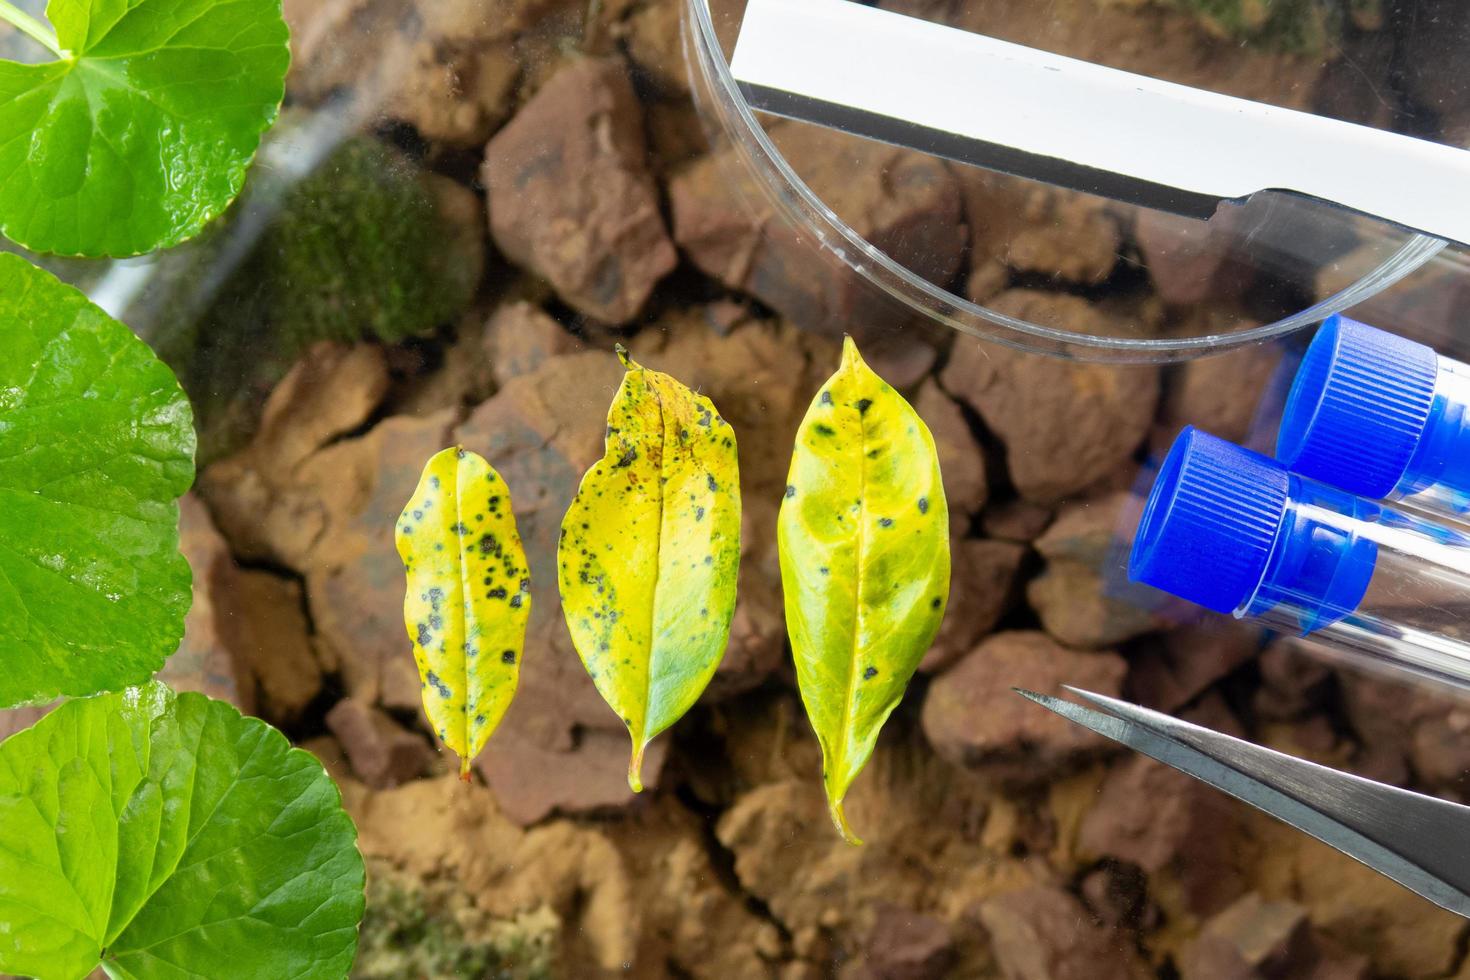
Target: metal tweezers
[{"x": 1418, "y": 841}]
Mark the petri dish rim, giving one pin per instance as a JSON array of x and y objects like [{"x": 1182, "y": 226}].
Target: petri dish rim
[{"x": 719, "y": 97}]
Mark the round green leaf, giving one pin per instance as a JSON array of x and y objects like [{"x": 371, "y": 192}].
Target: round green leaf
[
  {"x": 167, "y": 835},
  {"x": 143, "y": 131},
  {"x": 96, "y": 445}
]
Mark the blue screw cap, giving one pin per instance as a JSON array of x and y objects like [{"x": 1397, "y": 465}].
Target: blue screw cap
[
  {"x": 1223, "y": 528},
  {"x": 1358, "y": 408},
  {"x": 1210, "y": 520}
]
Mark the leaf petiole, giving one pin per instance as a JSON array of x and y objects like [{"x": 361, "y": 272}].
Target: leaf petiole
[{"x": 38, "y": 30}]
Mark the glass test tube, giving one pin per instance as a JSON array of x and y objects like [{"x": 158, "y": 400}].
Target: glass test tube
[
  {"x": 1236, "y": 532},
  {"x": 1382, "y": 417}
]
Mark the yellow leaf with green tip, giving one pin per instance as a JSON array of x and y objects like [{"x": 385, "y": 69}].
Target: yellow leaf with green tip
[
  {"x": 468, "y": 597},
  {"x": 863, "y": 537},
  {"x": 649, "y": 553}
]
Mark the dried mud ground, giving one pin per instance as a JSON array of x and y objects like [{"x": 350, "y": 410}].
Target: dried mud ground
[{"x": 569, "y": 170}]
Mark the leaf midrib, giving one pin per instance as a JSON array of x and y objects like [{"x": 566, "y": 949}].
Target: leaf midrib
[
  {"x": 857, "y": 595},
  {"x": 464, "y": 605},
  {"x": 658, "y": 559}
]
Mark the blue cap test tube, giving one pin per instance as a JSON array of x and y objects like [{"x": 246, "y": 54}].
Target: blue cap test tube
[
  {"x": 1380, "y": 416},
  {"x": 1237, "y": 532}
]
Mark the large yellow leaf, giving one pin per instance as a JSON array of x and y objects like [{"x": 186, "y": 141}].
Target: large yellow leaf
[
  {"x": 468, "y": 598},
  {"x": 863, "y": 537},
  {"x": 649, "y": 553}
]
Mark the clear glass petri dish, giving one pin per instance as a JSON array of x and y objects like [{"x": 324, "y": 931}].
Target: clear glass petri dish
[{"x": 1250, "y": 273}]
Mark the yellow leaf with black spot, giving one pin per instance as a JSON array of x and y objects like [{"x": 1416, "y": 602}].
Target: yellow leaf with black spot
[
  {"x": 468, "y": 597},
  {"x": 649, "y": 553},
  {"x": 863, "y": 537}
]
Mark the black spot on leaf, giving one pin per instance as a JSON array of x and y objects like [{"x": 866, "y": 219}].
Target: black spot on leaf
[
  {"x": 438, "y": 685},
  {"x": 870, "y": 673}
]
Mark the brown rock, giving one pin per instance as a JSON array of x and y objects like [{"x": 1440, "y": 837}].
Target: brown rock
[
  {"x": 1258, "y": 939},
  {"x": 262, "y": 622},
  {"x": 1015, "y": 520},
  {"x": 973, "y": 718},
  {"x": 1191, "y": 261},
  {"x": 1083, "y": 595},
  {"x": 1155, "y": 817},
  {"x": 1064, "y": 425},
  {"x": 900, "y": 357},
  {"x": 1115, "y": 894},
  {"x": 1028, "y": 227},
  {"x": 676, "y": 137},
  {"x": 329, "y": 752},
  {"x": 1293, "y": 681},
  {"x": 354, "y": 579},
  {"x": 1174, "y": 671},
  {"x": 923, "y": 854},
  {"x": 1221, "y": 394},
  {"x": 449, "y": 69},
  {"x": 246, "y": 638},
  {"x": 255, "y": 495},
  {"x": 906, "y": 945},
  {"x": 1353, "y": 907},
  {"x": 691, "y": 921},
  {"x": 531, "y": 781},
  {"x": 520, "y": 337},
  {"x": 904, "y": 203},
  {"x": 1169, "y": 43},
  {"x": 653, "y": 41},
  {"x": 1428, "y": 305},
  {"x": 1252, "y": 938},
  {"x": 14, "y": 720},
  {"x": 1427, "y": 728},
  {"x": 1043, "y": 933},
  {"x": 961, "y": 460},
  {"x": 570, "y": 197},
  {"x": 574, "y": 872},
  {"x": 382, "y": 753},
  {"x": 981, "y": 590},
  {"x": 460, "y": 378},
  {"x": 204, "y": 662}
]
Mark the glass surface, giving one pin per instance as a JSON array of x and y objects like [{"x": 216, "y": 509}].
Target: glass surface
[
  {"x": 1252, "y": 271},
  {"x": 466, "y": 205}
]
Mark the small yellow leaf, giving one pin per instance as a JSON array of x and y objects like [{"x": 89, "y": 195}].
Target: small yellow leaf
[
  {"x": 649, "y": 553},
  {"x": 863, "y": 537},
  {"x": 468, "y": 597}
]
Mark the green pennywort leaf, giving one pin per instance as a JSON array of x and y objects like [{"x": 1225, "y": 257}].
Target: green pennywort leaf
[
  {"x": 96, "y": 445},
  {"x": 165, "y": 835},
  {"x": 863, "y": 538},
  {"x": 649, "y": 552},
  {"x": 142, "y": 131}
]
